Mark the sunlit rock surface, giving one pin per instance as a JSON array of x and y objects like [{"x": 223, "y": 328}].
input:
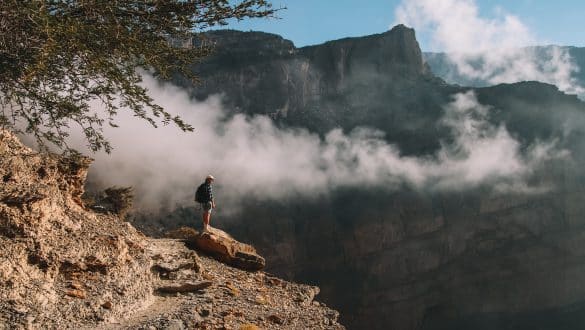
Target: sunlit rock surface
[{"x": 63, "y": 266}]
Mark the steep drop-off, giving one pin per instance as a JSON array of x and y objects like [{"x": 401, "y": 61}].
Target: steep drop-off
[{"x": 406, "y": 258}]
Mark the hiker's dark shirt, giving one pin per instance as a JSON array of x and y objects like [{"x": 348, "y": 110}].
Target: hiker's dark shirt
[{"x": 208, "y": 196}]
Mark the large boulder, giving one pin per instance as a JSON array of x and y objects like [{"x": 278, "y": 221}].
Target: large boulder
[{"x": 221, "y": 246}]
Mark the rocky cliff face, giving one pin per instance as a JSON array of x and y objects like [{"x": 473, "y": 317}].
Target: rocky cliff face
[
  {"x": 65, "y": 267},
  {"x": 433, "y": 261},
  {"x": 60, "y": 263},
  {"x": 471, "y": 259},
  {"x": 339, "y": 84}
]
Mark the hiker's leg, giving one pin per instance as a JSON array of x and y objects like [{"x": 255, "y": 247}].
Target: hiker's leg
[
  {"x": 208, "y": 208},
  {"x": 205, "y": 220}
]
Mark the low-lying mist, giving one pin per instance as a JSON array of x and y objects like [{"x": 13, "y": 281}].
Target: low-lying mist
[
  {"x": 251, "y": 156},
  {"x": 494, "y": 50}
]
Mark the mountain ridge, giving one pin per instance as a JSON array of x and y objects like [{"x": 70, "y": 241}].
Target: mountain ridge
[{"x": 411, "y": 256}]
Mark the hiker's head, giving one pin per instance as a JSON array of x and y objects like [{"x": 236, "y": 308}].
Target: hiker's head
[{"x": 209, "y": 178}]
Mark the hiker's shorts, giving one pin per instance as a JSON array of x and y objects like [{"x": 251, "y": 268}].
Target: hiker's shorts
[{"x": 207, "y": 207}]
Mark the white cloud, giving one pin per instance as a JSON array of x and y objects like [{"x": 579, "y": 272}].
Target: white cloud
[
  {"x": 251, "y": 156},
  {"x": 489, "y": 49}
]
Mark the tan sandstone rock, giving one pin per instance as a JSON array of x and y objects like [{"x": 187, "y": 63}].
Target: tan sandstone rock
[
  {"x": 63, "y": 266},
  {"x": 221, "y": 246},
  {"x": 225, "y": 248},
  {"x": 182, "y": 287}
]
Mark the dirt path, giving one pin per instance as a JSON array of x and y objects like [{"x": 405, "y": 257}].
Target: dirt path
[
  {"x": 159, "y": 307},
  {"x": 236, "y": 298},
  {"x": 166, "y": 253}
]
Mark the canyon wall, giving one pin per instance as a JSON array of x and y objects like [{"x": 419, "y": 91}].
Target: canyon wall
[{"x": 468, "y": 258}]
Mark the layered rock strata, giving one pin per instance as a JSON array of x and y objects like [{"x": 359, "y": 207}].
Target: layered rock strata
[{"x": 65, "y": 267}]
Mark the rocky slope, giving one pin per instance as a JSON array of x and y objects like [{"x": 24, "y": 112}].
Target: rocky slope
[
  {"x": 63, "y": 266},
  {"x": 468, "y": 259}
]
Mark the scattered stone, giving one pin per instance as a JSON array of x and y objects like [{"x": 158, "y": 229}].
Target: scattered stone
[
  {"x": 185, "y": 287},
  {"x": 194, "y": 319},
  {"x": 275, "y": 319},
  {"x": 175, "y": 325},
  {"x": 207, "y": 276},
  {"x": 261, "y": 300},
  {"x": 306, "y": 296},
  {"x": 232, "y": 290},
  {"x": 77, "y": 293},
  {"x": 20, "y": 310},
  {"x": 205, "y": 312},
  {"x": 274, "y": 281},
  {"x": 107, "y": 305},
  {"x": 332, "y": 314}
]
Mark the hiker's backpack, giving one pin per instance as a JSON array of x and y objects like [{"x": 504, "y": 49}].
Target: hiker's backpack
[{"x": 200, "y": 194}]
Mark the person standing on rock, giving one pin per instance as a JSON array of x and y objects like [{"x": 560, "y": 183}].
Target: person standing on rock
[{"x": 204, "y": 196}]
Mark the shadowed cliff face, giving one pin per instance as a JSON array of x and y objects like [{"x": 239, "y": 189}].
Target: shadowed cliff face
[
  {"x": 409, "y": 259},
  {"x": 377, "y": 81}
]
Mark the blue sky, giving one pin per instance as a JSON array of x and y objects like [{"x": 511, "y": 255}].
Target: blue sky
[{"x": 308, "y": 22}]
